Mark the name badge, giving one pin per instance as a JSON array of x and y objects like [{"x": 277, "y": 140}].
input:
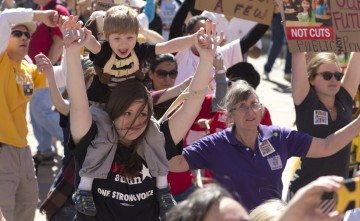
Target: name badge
[
  {"x": 28, "y": 88},
  {"x": 321, "y": 117},
  {"x": 266, "y": 148},
  {"x": 275, "y": 162}
]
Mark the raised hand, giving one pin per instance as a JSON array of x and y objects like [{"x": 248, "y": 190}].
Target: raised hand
[
  {"x": 305, "y": 204},
  {"x": 74, "y": 34},
  {"x": 71, "y": 21},
  {"x": 48, "y": 17},
  {"x": 218, "y": 62},
  {"x": 44, "y": 64},
  {"x": 207, "y": 41}
]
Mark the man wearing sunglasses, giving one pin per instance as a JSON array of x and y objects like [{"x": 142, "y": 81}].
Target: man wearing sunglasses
[{"x": 18, "y": 79}]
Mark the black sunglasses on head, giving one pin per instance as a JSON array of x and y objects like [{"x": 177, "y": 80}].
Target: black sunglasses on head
[
  {"x": 327, "y": 75},
  {"x": 162, "y": 73},
  {"x": 19, "y": 34}
]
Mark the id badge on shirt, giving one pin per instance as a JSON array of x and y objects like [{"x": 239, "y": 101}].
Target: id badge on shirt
[
  {"x": 275, "y": 162},
  {"x": 321, "y": 117},
  {"x": 266, "y": 148},
  {"x": 28, "y": 88},
  {"x": 25, "y": 82}
]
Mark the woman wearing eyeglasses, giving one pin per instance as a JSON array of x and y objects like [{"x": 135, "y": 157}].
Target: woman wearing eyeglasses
[
  {"x": 323, "y": 98},
  {"x": 248, "y": 158}
]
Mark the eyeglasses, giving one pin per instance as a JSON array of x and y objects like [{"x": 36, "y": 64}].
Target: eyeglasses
[
  {"x": 327, "y": 75},
  {"x": 162, "y": 73},
  {"x": 18, "y": 34},
  {"x": 243, "y": 108}
]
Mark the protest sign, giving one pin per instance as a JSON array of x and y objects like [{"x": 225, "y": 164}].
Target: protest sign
[
  {"x": 255, "y": 10},
  {"x": 333, "y": 25}
]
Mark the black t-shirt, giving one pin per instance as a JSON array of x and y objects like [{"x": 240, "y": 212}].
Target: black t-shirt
[
  {"x": 118, "y": 67},
  {"x": 313, "y": 118},
  {"x": 119, "y": 197}
]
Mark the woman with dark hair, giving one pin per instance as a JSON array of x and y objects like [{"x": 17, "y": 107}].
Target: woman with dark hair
[
  {"x": 207, "y": 204},
  {"x": 248, "y": 158},
  {"x": 162, "y": 75},
  {"x": 124, "y": 188}
]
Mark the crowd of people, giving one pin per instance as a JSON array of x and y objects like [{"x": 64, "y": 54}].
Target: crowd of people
[{"x": 156, "y": 108}]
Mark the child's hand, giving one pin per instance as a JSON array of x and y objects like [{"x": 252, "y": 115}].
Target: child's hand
[
  {"x": 67, "y": 22},
  {"x": 74, "y": 35},
  {"x": 75, "y": 38},
  {"x": 204, "y": 38},
  {"x": 43, "y": 64}
]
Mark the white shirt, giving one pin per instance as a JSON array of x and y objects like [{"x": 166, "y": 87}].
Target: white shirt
[
  {"x": 143, "y": 20},
  {"x": 187, "y": 61},
  {"x": 234, "y": 29}
]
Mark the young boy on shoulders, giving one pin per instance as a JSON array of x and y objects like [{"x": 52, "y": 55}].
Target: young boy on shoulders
[
  {"x": 121, "y": 57},
  {"x": 117, "y": 59}
]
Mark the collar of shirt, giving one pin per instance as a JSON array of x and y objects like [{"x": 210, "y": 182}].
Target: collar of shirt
[{"x": 265, "y": 133}]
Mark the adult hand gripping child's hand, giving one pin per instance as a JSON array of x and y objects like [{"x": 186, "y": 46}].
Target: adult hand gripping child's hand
[
  {"x": 75, "y": 36},
  {"x": 207, "y": 41}
]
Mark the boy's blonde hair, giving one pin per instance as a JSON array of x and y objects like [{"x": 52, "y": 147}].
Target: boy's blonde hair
[{"x": 120, "y": 20}]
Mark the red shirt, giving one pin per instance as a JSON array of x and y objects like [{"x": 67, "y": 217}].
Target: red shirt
[{"x": 41, "y": 40}]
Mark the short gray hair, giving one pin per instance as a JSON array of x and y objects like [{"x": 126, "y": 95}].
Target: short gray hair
[{"x": 239, "y": 91}]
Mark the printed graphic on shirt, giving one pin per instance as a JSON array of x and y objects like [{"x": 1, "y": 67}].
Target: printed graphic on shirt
[
  {"x": 122, "y": 67},
  {"x": 266, "y": 148},
  {"x": 275, "y": 162},
  {"x": 321, "y": 117},
  {"x": 116, "y": 168},
  {"x": 127, "y": 198},
  {"x": 25, "y": 82}
]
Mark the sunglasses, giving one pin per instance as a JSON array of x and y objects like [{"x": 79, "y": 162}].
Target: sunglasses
[
  {"x": 327, "y": 75},
  {"x": 162, "y": 73},
  {"x": 19, "y": 34}
]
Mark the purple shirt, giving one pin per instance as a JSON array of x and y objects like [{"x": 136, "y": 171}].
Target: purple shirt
[{"x": 251, "y": 176}]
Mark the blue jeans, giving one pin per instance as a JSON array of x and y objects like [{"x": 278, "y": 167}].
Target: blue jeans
[
  {"x": 44, "y": 120},
  {"x": 277, "y": 40}
]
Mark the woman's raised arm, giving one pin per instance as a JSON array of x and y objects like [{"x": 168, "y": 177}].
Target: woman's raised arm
[
  {"x": 334, "y": 142},
  {"x": 182, "y": 120},
  {"x": 299, "y": 81},
  {"x": 352, "y": 77},
  {"x": 80, "y": 117}
]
